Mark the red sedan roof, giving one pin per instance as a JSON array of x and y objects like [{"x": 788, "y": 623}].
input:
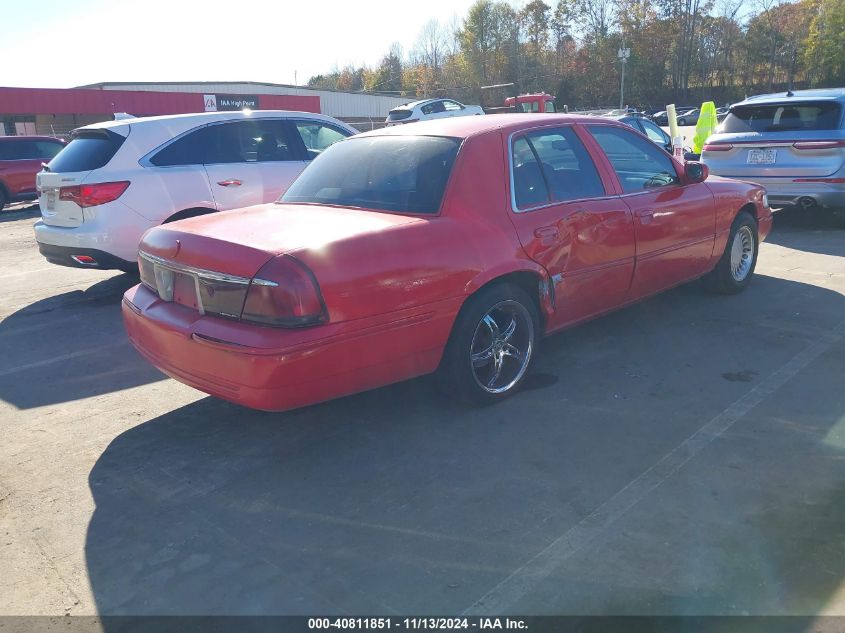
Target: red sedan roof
[{"x": 464, "y": 126}]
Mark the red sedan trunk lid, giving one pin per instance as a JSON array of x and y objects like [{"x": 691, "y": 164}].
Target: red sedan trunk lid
[{"x": 240, "y": 241}]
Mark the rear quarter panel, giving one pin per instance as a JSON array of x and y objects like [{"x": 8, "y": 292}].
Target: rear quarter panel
[{"x": 156, "y": 193}]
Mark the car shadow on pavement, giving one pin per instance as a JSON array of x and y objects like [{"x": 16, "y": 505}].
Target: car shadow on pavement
[
  {"x": 808, "y": 230},
  {"x": 19, "y": 213},
  {"x": 401, "y": 501},
  {"x": 70, "y": 346}
]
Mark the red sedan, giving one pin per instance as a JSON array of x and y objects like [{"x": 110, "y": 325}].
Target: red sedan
[
  {"x": 450, "y": 246},
  {"x": 20, "y": 160}
]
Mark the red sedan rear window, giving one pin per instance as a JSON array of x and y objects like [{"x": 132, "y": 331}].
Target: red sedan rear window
[{"x": 403, "y": 174}]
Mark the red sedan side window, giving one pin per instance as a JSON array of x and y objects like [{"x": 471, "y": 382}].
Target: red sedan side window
[
  {"x": 552, "y": 165},
  {"x": 529, "y": 185},
  {"x": 639, "y": 164}
]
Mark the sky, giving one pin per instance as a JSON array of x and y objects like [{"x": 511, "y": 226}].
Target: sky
[{"x": 60, "y": 44}]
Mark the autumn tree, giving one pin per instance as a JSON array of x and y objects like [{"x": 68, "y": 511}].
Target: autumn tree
[
  {"x": 825, "y": 51},
  {"x": 681, "y": 51},
  {"x": 388, "y": 75}
]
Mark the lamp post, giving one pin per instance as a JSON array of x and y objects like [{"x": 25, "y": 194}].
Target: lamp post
[{"x": 624, "y": 54}]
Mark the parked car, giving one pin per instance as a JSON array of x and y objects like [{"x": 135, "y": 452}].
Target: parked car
[
  {"x": 623, "y": 111},
  {"x": 661, "y": 117},
  {"x": 117, "y": 179},
  {"x": 20, "y": 161},
  {"x": 645, "y": 125},
  {"x": 385, "y": 260},
  {"x": 793, "y": 144},
  {"x": 430, "y": 109},
  {"x": 689, "y": 117},
  {"x": 721, "y": 113}
]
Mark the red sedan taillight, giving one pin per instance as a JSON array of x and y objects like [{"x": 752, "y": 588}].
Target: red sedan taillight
[
  {"x": 284, "y": 293},
  {"x": 94, "y": 194}
]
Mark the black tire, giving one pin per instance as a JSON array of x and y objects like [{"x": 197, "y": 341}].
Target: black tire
[
  {"x": 682, "y": 121},
  {"x": 459, "y": 375},
  {"x": 725, "y": 279},
  {"x": 4, "y": 199}
]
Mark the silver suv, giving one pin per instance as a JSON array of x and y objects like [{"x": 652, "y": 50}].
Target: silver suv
[{"x": 792, "y": 144}]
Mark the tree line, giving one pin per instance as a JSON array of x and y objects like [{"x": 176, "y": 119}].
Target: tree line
[{"x": 681, "y": 51}]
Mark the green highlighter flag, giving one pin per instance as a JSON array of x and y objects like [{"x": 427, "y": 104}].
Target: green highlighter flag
[{"x": 706, "y": 124}]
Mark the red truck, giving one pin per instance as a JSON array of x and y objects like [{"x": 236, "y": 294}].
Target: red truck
[
  {"x": 539, "y": 102},
  {"x": 536, "y": 102},
  {"x": 20, "y": 161}
]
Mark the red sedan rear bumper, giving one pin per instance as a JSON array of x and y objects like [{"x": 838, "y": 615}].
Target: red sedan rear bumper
[{"x": 276, "y": 369}]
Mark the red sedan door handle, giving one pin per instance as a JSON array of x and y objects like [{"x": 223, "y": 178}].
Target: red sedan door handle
[
  {"x": 645, "y": 215},
  {"x": 230, "y": 183},
  {"x": 546, "y": 231},
  {"x": 547, "y": 235}
]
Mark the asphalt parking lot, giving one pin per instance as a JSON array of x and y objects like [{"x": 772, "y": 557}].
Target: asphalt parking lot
[{"x": 682, "y": 456}]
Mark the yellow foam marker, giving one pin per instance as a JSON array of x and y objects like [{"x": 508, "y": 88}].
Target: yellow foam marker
[
  {"x": 673, "y": 120},
  {"x": 706, "y": 124}
]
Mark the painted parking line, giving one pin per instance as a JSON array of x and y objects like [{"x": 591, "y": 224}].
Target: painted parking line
[
  {"x": 526, "y": 578},
  {"x": 60, "y": 359},
  {"x": 27, "y": 272}
]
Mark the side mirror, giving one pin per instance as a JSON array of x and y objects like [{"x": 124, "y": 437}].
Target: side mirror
[{"x": 696, "y": 172}]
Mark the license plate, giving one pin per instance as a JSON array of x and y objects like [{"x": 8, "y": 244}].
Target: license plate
[
  {"x": 164, "y": 282},
  {"x": 51, "y": 200},
  {"x": 185, "y": 291},
  {"x": 762, "y": 156}
]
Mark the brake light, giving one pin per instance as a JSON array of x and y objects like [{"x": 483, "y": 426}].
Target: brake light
[
  {"x": 284, "y": 293},
  {"x": 94, "y": 194},
  {"x": 818, "y": 144},
  {"x": 717, "y": 147}
]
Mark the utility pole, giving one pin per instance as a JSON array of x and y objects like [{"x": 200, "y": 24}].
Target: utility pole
[{"x": 624, "y": 54}]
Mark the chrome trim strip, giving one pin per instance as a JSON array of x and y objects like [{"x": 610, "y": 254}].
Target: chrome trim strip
[
  {"x": 654, "y": 189},
  {"x": 264, "y": 282},
  {"x": 196, "y": 272}
]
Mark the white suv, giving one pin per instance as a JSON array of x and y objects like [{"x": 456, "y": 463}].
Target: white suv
[{"x": 117, "y": 179}]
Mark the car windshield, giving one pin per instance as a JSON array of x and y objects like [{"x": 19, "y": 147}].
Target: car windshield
[
  {"x": 781, "y": 117},
  {"x": 404, "y": 174}
]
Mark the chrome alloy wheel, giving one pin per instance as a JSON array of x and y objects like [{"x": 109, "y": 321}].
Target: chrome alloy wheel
[
  {"x": 501, "y": 346},
  {"x": 742, "y": 253}
]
